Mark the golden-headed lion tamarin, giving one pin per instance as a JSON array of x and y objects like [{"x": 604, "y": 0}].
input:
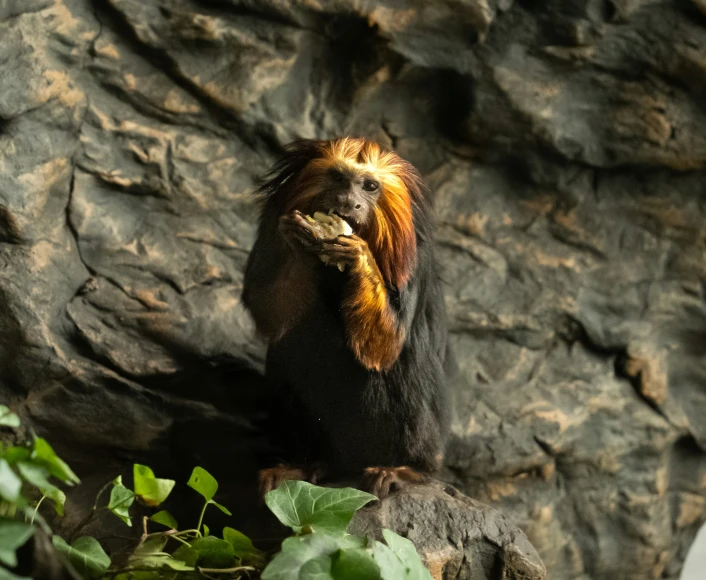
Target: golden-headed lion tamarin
[{"x": 361, "y": 355}]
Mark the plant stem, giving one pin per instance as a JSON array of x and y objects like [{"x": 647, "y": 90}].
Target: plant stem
[
  {"x": 100, "y": 493},
  {"x": 178, "y": 539},
  {"x": 90, "y": 516},
  {"x": 203, "y": 511},
  {"x": 36, "y": 508},
  {"x": 226, "y": 570}
]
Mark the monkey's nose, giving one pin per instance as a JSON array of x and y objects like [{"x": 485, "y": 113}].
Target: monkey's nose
[{"x": 347, "y": 203}]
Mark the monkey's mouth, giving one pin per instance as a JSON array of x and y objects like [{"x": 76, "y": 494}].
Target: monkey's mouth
[{"x": 346, "y": 218}]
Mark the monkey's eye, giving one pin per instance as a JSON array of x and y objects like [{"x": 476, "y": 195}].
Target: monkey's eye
[{"x": 370, "y": 185}]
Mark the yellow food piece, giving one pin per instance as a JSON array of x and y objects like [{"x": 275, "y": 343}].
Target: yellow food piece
[{"x": 329, "y": 227}]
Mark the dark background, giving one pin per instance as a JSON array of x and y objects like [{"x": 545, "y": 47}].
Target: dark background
[{"x": 566, "y": 144}]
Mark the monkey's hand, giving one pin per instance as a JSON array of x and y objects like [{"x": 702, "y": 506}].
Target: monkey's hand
[
  {"x": 350, "y": 251},
  {"x": 299, "y": 233}
]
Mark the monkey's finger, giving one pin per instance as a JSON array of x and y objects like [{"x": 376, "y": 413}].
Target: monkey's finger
[
  {"x": 339, "y": 256},
  {"x": 350, "y": 241}
]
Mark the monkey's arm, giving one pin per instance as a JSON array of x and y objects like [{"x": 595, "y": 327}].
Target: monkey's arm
[
  {"x": 278, "y": 285},
  {"x": 376, "y": 329}
]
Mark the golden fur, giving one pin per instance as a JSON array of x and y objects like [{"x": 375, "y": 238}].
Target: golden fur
[{"x": 390, "y": 233}]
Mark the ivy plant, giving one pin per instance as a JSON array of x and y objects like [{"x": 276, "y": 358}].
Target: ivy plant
[{"x": 320, "y": 547}]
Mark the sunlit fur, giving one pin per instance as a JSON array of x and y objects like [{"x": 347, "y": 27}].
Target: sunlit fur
[{"x": 390, "y": 233}]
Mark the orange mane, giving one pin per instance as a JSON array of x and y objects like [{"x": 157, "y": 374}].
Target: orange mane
[{"x": 391, "y": 233}]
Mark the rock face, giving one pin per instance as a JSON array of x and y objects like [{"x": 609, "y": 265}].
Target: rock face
[
  {"x": 566, "y": 144},
  {"x": 457, "y": 537}
]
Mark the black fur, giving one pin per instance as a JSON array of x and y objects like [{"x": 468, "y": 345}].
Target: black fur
[{"x": 331, "y": 408}]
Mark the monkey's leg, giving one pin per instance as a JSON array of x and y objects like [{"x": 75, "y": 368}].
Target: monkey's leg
[
  {"x": 382, "y": 481},
  {"x": 270, "y": 478}
]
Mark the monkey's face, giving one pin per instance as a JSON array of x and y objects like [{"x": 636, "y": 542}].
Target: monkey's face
[
  {"x": 368, "y": 187},
  {"x": 348, "y": 193}
]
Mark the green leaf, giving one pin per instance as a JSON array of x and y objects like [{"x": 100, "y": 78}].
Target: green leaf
[
  {"x": 348, "y": 542},
  {"x": 57, "y": 498},
  {"x": 391, "y": 567},
  {"x": 8, "y": 418},
  {"x": 209, "y": 552},
  {"x": 16, "y": 454},
  {"x": 316, "y": 569},
  {"x": 243, "y": 548},
  {"x": 150, "y": 555},
  {"x": 220, "y": 507},
  {"x": 85, "y": 554},
  {"x": 204, "y": 483},
  {"x": 44, "y": 454},
  {"x": 156, "y": 575},
  {"x": 296, "y": 552},
  {"x": 166, "y": 519},
  {"x": 150, "y": 489},
  {"x": 10, "y": 483},
  {"x": 7, "y": 575},
  {"x": 150, "y": 547},
  {"x": 355, "y": 565},
  {"x": 298, "y": 504},
  {"x": 407, "y": 553},
  {"x": 162, "y": 560},
  {"x": 121, "y": 498},
  {"x": 206, "y": 530},
  {"x": 35, "y": 474},
  {"x": 38, "y": 476},
  {"x": 13, "y": 534}
]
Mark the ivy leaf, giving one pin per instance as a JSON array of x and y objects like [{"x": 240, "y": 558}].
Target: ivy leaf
[
  {"x": 16, "y": 454},
  {"x": 164, "y": 560},
  {"x": 298, "y": 504},
  {"x": 296, "y": 552},
  {"x": 243, "y": 548},
  {"x": 150, "y": 547},
  {"x": 407, "y": 555},
  {"x": 391, "y": 567},
  {"x": 10, "y": 483},
  {"x": 356, "y": 565},
  {"x": 13, "y": 534},
  {"x": 38, "y": 476},
  {"x": 204, "y": 483},
  {"x": 150, "y": 489},
  {"x": 57, "y": 498},
  {"x": 220, "y": 507},
  {"x": 208, "y": 552},
  {"x": 206, "y": 530},
  {"x": 317, "y": 569},
  {"x": 348, "y": 542},
  {"x": 121, "y": 498},
  {"x": 150, "y": 555},
  {"x": 44, "y": 454},
  {"x": 7, "y": 575},
  {"x": 8, "y": 418},
  {"x": 166, "y": 519},
  {"x": 85, "y": 554}
]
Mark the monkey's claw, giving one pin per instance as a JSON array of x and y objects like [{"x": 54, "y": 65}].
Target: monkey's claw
[
  {"x": 270, "y": 478},
  {"x": 382, "y": 481}
]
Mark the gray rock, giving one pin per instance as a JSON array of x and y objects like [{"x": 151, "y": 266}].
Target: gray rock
[
  {"x": 457, "y": 537},
  {"x": 566, "y": 144}
]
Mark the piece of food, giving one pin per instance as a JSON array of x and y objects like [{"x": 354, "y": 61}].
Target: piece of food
[{"x": 329, "y": 227}]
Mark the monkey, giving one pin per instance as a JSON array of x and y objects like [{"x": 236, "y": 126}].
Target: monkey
[{"x": 361, "y": 357}]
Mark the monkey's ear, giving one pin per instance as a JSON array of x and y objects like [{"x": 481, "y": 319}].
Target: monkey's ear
[{"x": 296, "y": 157}]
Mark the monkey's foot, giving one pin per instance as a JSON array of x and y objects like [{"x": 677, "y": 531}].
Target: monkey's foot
[
  {"x": 382, "y": 481},
  {"x": 270, "y": 478}
]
